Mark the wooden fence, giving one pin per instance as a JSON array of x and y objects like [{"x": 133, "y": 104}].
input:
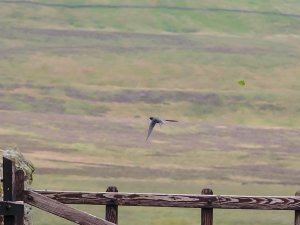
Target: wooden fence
[{"x": 55, "y": 201}]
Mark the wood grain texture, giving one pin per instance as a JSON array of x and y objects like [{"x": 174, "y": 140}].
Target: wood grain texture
[
  {"x": 61, "y": 210},
  {"x": 297, "y": 212},
  {"x": 9, "y": 169},
  {"x": 177, "y": 200},
  {"x": 111, "y": 214},
  {"x": 19, "y": 195},
  {"x": 13, "y": 210},
  {"x": 206, "y": 213},
  {"x": 19, "y": 185}
]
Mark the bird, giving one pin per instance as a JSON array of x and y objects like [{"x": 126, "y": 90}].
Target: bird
[{"x": 154, "y": 121}]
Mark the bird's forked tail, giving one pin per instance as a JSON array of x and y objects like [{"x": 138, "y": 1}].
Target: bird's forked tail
[{"x": 172, "y": 120}]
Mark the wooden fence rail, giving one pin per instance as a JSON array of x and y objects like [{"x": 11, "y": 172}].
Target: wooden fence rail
[
  {"x": 176, "y": 200},
  {"x": 53, "y": 201}
]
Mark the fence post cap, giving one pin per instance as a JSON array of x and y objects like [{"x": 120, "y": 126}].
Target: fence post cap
[
  {"x": 112, "y": 189},
  {"x": 206, "y": 191}
]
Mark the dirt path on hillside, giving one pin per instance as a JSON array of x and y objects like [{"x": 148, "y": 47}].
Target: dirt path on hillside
[
  {"x": 162, "y": 7},
  {"x": 107, "y": 41}
]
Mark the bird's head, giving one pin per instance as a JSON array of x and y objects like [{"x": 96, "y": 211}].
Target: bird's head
[{"x": 151, "y": 118}]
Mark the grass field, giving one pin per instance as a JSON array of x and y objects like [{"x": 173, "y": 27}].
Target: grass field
[{"x": 77, "y": 85}]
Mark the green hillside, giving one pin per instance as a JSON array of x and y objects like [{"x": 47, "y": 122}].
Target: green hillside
[
  {"x": 250, "y": 17},
  {"x": 78, "y": 83}
]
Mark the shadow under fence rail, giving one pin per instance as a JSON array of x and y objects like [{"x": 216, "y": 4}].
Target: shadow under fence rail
[{"x": 55, "y": 201}]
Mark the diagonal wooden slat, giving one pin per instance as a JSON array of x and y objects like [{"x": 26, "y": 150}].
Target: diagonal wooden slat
[{"x": 61, "y": 210}]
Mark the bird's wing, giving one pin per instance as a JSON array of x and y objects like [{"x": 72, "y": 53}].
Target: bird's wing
[
  {"x": 151, "y": 126},
  {"x": 171, "y": 120}
]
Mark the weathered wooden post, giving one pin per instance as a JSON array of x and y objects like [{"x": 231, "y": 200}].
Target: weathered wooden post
[
  {"x": 206, "y": 213},
  {"x": 111, "y": 208},
  {"x": 13, "y": 189},
  {"x": 8, "y": 186},
  {"x": 19, "y": 195},
  {"x": 19, "y": 185},
  {"x": 297, "y": 212}
]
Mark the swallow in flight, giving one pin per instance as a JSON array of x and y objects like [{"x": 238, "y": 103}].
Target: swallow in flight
[{"x": 155, "y": 120}]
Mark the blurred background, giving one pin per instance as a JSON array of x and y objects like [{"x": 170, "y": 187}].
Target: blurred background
[{"x": 79, "y": 80}]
